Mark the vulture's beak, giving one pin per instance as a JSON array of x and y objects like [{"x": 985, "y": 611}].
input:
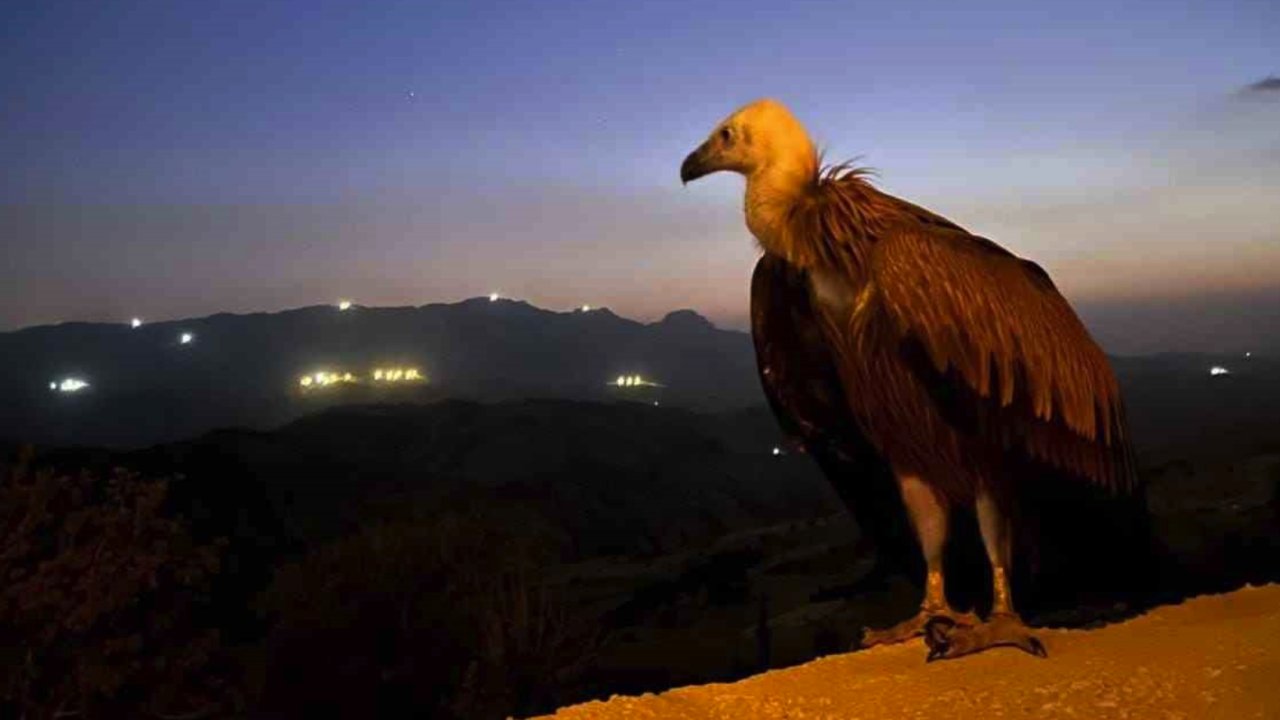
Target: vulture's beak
[{"x": 696, "y": 165}]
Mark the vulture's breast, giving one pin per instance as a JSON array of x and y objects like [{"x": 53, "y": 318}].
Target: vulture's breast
[{"x": 834, "y": 293}]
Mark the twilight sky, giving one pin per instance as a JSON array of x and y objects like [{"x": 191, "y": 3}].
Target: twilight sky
[{"x": 171, "y": 158}]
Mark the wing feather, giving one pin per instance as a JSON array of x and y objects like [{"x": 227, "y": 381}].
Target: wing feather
[
  {"x": 800, "y": 379},
  {"x": 997, "y": 324},
  {"x": 796, "y": 368},
  {"x": 951, "y": 331}
]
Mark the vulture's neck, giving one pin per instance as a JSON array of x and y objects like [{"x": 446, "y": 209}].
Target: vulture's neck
[{"x": 773, "y": 189}]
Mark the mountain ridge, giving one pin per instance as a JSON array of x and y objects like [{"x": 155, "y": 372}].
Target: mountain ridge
[
  {"x": 145, "y": 385},
  {"x": 244, "y": 369}
]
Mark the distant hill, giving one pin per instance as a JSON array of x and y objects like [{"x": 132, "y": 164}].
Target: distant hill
[
  {"x": 674, "y": 530},
  {"x": 671, "y": 525},
  {"x": 618, "y": 478},
  {"x": 1177, "y": 408},
  {"x": 146, "y": 386}
]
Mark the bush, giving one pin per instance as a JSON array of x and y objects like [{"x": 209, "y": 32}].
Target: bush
[
  {"x": 99, "y": 592},
  {"x": 446, "y": 616}
]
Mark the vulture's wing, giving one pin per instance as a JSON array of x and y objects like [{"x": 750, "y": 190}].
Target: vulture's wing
[
  {"x": 994, "y": 327},
  {"x": 800, "y": 380},
  {"x": 796, "y": 369}
]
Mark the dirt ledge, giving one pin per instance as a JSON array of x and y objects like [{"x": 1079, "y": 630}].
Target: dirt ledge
[{"x": 1215, "y": 656}]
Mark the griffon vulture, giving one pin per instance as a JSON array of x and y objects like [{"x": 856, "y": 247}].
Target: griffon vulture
[{"x": 888, "y": 336}]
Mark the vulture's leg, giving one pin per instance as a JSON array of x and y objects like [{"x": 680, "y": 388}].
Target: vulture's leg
[
  {"x": 947, "y": 639},
  {"x": 929, "y": 519}
]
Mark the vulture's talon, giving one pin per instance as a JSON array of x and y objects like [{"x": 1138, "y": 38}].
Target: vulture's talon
[
  {"x": 1036, "y": 647},
  {"x": 947, "y": 640},
  {"x": 914, "y": 626},
  {"x": 936, "y": 635}
]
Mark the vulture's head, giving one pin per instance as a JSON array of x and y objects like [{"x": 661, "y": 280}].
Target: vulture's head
[{"x": 762, "y": 135}]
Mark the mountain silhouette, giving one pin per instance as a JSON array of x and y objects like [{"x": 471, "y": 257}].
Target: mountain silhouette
[{"x": 147, "y": 386}]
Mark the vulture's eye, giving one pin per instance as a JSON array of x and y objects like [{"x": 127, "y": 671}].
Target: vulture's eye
[{"x": 726, "y": 135}]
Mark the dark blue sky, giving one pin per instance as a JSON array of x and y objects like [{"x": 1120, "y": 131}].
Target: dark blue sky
[{"x": 170, "y": 158}]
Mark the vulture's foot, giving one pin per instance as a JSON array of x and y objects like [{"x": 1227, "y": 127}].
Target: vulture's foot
[
  {"x": 948, "y": 639},
  {"x": 914, "y": 626}
]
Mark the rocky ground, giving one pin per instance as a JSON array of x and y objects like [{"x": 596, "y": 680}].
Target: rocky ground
[{"x": 1210, "y": 657}]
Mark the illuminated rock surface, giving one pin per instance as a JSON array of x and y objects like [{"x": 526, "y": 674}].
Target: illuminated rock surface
[{"x": 1210, "y": 657}]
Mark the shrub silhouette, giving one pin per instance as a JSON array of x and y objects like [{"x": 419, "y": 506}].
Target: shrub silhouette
[
  {"x": 99, "y": 601},
  {"x": 447, "y": 616}
]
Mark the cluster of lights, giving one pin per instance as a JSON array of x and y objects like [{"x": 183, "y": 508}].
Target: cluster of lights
[
  {"x": 344, "y": 304},
  {"x": 1219, "y": 370},
  {"x": 493, "y": 297},
  {"x": 380, "y": 375},
  {"x": 135, "y": 323},
  {"x": 397, "y": 375},
  {"x": 633, "y": 381},
  {"x": 69, "y": 385},
  {"x": 324, "y": 379},
  {"x": 186, "y": 338}
]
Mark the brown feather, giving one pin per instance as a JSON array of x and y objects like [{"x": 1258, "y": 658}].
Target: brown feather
[{"x": 955, "y": 349}]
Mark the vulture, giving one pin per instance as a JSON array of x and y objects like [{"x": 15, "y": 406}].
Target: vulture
[{"x": 924, "y": 368}]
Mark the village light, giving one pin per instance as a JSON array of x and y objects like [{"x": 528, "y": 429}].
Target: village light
[
  {"x": 1219, "y": 370},
  {"x": 324, "y": 378},
  {"x": 398, "y": 374},
  {"x": 186, "y": 338},
  {"x": 344, "y": 304},
  {"x": 633, "y": 381},
  {"x": 493, "y": 297},
  {"x": 69, "y": 385},
  {"x": 135, "y": 323}
]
